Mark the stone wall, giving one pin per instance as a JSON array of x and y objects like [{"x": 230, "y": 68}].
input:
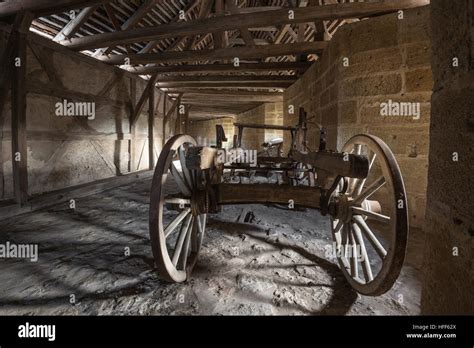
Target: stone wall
[
  {"x": 267, "y": 113},
  {"x": 67, "y": 151},
  {"x": 448, "y": 257},
  {"x": 368, "y": 63},
  {"x": 204, "y": 131}
]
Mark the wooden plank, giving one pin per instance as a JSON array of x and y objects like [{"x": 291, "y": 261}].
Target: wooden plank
[
  {"x": 75, "y": 24},
  {"x": 244, "y": 20},
  {"x": 220, "y": 53},
  {"x": 18, "y": 114},
  {"x": 208, "y": 68}
]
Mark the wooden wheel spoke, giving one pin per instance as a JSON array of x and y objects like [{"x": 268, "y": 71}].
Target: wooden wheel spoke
[
  {"x": 184, "y": 168},
  {"x": 177, "y": 200},
  {"x": 344, "y": 238},
  {"x": 354, "y": 257},
  {"x": 336, "y": 232},
  {"x": 361, "y": 182},
  {"x": 370, "y": 190},
  {"x": 176, "y": 221},
  {"x": 187, "y": 242},
  {"x": 371, "y": 214},
  {"x": 183, "y": 233},
  {"x": 367, "y": 269},
  {"x": 183, "y": 187},
  {"x": 370, "y": 236}
]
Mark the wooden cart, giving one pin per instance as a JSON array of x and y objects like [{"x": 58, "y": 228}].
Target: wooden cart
[{"x": 360, "y": 188}]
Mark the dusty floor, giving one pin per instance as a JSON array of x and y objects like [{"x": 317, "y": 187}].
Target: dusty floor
[{"x": 275, "y": 265}]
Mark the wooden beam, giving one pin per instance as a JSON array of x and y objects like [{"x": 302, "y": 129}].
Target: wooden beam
[
  {"x": 190, "y": 97},
  {"x": 75, "y": 24},
  {"x": 151, "y": 123},
  {"x": 172, "y": 109},
  {"x": 113, "y": 18},
  {"x": 244, "y": 32},
  {"x": 220, "y": 53},
  {"x": 226, "y": 84},
  {"x": 45, "y": 61},
  {"x": 210, "y": 68},
  {"x": 227, "y": 93},
  {"x": 187, "y": 9},
  {"x": 163, "y": 139},
  {"x": 245, "y": 20},
  {"x": 141, "y": 102},
  {"x": 18, "y": 113},
  {"x": 132, "y": 127},
  {"x": 44, "y": 7},
  {"x": 220, "y": 35},
  {"x": 228, "y": 78}
]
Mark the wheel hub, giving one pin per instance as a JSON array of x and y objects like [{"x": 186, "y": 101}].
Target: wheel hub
[{"x": 343, "y": 209}]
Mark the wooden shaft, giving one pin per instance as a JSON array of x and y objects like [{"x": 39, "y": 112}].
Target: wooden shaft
[{"x": 268, "y": 193}]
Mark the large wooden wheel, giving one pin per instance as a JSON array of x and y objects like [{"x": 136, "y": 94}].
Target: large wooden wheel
[
  {"x": 176, "y": 233},
  {"x": 370, "y": 220}
]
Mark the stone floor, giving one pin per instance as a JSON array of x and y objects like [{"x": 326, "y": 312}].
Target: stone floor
[{"x": 274, "y": 265}]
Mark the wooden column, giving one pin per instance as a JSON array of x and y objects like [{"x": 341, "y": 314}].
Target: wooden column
[
  {"x": 18, "y": 115},
  {"x": 163, "y": 140},
  {"x": 131, "y": 144},
  {"x": 151, "y": 119},
  {"x": 186, "y": 120}
]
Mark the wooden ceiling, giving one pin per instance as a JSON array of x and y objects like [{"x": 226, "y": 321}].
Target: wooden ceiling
[{"x": 219, "y": 57}]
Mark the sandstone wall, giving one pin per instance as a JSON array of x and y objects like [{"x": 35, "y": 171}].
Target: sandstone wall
[
  {"x": 204, "y": 131},
  {"x": 448, "y": 257},
  {"x": 368, "y": 63}
]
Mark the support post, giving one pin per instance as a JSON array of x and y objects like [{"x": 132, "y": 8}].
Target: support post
[
  {"x": 18, "y": 115},
  {"x": 151, "y": 120}
]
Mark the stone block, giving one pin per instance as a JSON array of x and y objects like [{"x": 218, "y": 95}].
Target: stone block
[
  {"x": 415, "y": 25},
  {"x": 419, "y": 80},
  {"x": 348, "y": 112},
  {"x": 418, "y": 54},
  {"x": 372, "y": 85},
  {"x": 370, "y": 62}
]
